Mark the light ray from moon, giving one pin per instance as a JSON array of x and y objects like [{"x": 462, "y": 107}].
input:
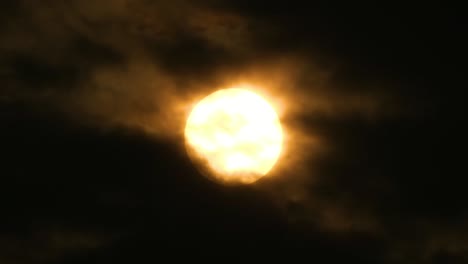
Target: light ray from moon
[{"x": 236, "y": 134}]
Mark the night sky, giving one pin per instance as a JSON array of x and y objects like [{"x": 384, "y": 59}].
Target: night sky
[{"x": 94, "y": 96}]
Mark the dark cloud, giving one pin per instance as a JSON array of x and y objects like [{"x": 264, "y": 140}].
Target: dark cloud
[{"x": 93, "y": 96}]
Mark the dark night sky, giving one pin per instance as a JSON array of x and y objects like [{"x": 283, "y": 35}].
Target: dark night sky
[{"x": 92, "y": 164}]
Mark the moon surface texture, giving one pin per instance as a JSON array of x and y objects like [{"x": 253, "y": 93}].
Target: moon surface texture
[{"x": 234, "y": 136}]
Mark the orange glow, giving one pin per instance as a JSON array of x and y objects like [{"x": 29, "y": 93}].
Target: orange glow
[{"x": 237, "y": 133}]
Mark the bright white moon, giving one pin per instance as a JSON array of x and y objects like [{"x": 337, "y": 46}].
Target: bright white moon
[{"x": 236, "y": 134}]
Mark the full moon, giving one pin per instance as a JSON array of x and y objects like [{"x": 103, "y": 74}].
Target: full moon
[{"x": 235, "y": 135}]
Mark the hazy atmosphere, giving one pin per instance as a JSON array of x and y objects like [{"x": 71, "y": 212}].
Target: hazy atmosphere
[{"x": 94, "y": 98}]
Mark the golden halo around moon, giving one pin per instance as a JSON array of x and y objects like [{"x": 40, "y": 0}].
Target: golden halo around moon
[{"x": 234, "y": 136}]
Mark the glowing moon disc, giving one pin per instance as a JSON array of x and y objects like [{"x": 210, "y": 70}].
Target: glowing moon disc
[{"x": 236, "y": 134}]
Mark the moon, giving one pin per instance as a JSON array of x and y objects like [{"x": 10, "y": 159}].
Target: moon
[{"x": 234, "y": 135}]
